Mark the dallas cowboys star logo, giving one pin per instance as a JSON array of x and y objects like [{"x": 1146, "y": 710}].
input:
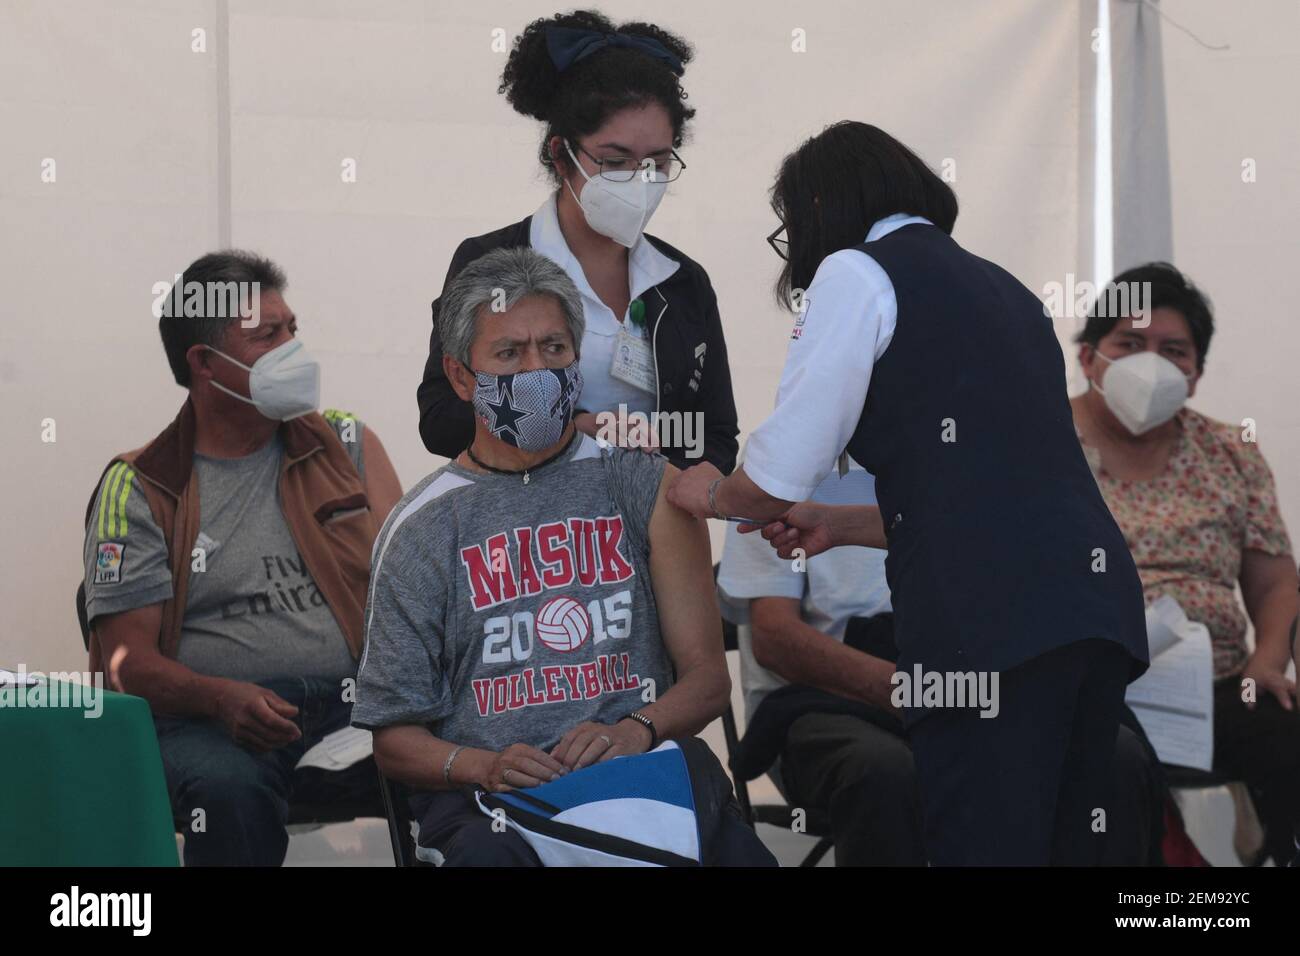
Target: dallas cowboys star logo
[
  {"x": 505, "y": 416},
  {"x": 561, "y": 405}
]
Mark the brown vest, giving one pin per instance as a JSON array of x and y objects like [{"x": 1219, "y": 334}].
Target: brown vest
[{"x": 324, "y": 504}]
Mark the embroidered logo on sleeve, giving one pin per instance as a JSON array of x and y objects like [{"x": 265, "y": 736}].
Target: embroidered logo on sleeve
[{"x": 108, "y": 563}]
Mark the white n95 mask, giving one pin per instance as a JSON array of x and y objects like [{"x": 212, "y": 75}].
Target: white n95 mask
[
  {"x": 619, "y": 210},
  {"x": 283, "y": 384},
  {"x": 1143, "y": 390}
]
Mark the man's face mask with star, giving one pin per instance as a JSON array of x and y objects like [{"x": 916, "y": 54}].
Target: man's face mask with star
[{"x": 526, "y": 375}]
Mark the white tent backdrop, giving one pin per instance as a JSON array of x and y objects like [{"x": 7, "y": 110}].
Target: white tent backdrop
[
  {"x": 1238, "y": 239},
  {"x": 163, "y": 153}
]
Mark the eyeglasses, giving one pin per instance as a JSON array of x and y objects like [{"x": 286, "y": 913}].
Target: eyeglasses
[
  {"x": 780, "y": 243},
  {"x": 621, "y": 169}
]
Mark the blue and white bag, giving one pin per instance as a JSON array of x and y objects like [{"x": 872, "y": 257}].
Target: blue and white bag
[{"x": 638, "y": 810}]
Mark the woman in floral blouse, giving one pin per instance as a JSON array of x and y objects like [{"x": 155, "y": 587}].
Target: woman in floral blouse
[{"x": 1197, "y": 505}]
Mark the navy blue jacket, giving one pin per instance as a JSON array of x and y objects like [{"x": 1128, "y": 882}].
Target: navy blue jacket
[
  {"x": 691, "y": 379},
  {"x": 995, "y": 523}
]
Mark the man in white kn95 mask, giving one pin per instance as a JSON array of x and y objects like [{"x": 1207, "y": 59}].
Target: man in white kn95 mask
[{"x": 227, "y": 563}]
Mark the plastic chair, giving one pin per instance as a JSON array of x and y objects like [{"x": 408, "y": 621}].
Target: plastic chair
[{"x": 401, "y": 832}]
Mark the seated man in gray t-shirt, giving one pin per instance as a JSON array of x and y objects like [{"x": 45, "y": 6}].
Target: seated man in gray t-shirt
[
  {"x": 226, "y": 567},
  {"x": 536, "y": 605}
]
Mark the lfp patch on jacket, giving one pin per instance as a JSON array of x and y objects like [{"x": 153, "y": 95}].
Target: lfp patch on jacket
[{"x": 628, "y": 811}]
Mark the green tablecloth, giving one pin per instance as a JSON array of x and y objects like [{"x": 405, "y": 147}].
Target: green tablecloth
[{"x": 78, "y": 791}]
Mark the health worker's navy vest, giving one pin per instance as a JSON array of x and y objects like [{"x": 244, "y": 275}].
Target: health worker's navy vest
[{"x": 997, "y": 531}]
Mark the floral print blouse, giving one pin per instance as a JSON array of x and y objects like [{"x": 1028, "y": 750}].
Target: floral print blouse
[{"x": 1188, "y": 527}]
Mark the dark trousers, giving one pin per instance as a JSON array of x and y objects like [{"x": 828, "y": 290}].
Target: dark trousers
[
  {"x": 452, "y": 823},
  {"x": 862, "y": 779},
  {"x": 244, "y": 796},
  {"x": 1262, "y": 749},
  {"x": 1135, "y": 805},
  {"x": 1031, "y": 786}
]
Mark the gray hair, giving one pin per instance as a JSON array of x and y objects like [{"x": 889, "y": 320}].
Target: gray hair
[{"x": 500, "y": 279}]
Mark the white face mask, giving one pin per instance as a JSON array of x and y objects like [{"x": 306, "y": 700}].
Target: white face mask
[
  {"x": 1143, "y": 390},
  {"x": 619, "y": 210},
  {"x": 284, "y": 383}
]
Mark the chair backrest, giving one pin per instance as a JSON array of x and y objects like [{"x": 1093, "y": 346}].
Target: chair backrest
[
  {"x": 730, "y": 636},
  {"x": 399, "y": 820},
  {"x": 732, "y": 738},
  {"x": 81, "y": 614},
  {"x": 730, "y": 734},
  {"x": 729, "y": 639}
]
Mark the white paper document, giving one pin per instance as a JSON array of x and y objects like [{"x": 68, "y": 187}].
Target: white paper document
[
  {"x": 16, "y": 677},
  {"x": 339, "y": 750},
  {"x": 1165, "y": 623},
  {"x": 1174, "y": 699}
]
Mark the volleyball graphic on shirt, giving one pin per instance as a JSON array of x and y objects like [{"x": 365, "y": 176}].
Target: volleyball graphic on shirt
[{"x": 562, "y": 624}]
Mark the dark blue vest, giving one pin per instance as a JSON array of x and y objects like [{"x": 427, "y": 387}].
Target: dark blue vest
[{"x": 995, "y": 522}]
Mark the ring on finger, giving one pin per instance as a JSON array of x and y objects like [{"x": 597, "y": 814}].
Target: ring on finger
[{"x": 606, "y": 738}]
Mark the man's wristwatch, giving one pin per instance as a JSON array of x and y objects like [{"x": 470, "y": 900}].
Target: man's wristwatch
[{"x": 649, "y": 724}]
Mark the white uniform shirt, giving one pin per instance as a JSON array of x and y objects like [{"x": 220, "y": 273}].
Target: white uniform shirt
[
  {"x": 847, "y": 325},
  {"x": 646, "y": 268},
  {"x": 836, "y": 585}
]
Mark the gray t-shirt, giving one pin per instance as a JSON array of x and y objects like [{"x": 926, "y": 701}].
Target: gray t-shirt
[
  {"x": 502, "y": 612},
  {"x": 253, "y": 611}
]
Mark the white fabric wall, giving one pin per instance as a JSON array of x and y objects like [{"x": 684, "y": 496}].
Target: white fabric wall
[
  {"x": 113, "y": 95},
  {"x": 1238, "y": 240},
  {"x": 137, "y": 124}
]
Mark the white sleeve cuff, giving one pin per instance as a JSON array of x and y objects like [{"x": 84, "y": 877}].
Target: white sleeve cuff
[{"x": 785, "y": 490}]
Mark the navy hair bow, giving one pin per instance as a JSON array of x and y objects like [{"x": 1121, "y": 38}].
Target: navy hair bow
[{"x": 568, "y": 45}]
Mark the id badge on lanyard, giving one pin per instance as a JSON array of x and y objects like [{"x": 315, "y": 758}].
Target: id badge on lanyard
[{"x": 633, "y": 360}]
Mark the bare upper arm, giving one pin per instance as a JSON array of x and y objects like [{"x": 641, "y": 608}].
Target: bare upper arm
[
  {"x": 398, "y": 741},
  {"x": 1258, "y": 567},
  {"x": 127, "y": 638},
  {"x": 681, "y": 569},
  {"x": 1264, "y": 575},
  {"x": 383, "y": 487}
]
